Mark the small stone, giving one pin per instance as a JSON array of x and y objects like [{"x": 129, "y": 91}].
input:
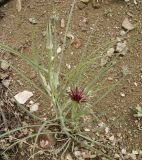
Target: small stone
[
  {"x": 62, "y": 23},
  {"x": 118, "y": 39},
  {"x": 102, "y": 124},
  {"x": 107, "y": 130},
  {"x": 110, "y": 78},
  {"x": 34, "y": 107},
  {"x": 135, "y": 2},
  {"x": 77, "y": 153},
  {"x": 41, "y": 152},
  {"x": 6, "y": 82},
  {"x": 123, "y": 151},
  {"x": 59, "y": 50},
  {"x": 122, "y": 33},
  {"x": 33, "y": 20},
  {"x": 122, "y": 94},
  {"x": 68, "y": 157},
  {"x": 121, "y": 48},
  {"x": 4, "y": 65},
  {"x": 127, "y": 25},
  {"x": 20, "y": 83},
  {"x": 104, "y": 61},
  {"x": 23, "y": 97},
  {"x": 86, "y": 129},
  {"x": 110, "y": 52},
  {"x": 31, "y": 102},
  {"x": 116, "y": 155},
  {"x": 111, "y": 138},
  {"x": 18, "y": 5},
  {"x": 68, "y": 66}
]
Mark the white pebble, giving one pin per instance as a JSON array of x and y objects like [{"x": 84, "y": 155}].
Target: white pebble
[
  {"x": 123, "y": 151},
  {"x": 68, "y": 66},
  {"x": 122, "y": 33},
  {"x": 34, "y": 107},
  {"x": 23, "y": 97},
  {"x": 107, "y": 130},
  {"x": 86, "y": 129},
  {"x": 77, "y": 153},
  {"x": 62, "y": 23},
  {"x": 122, "y": 48},
  {"x": 110, "y": 52},
  {"x": 122, "y": 94},
  {"x": 33, "y": 20},
  {"x": 116, "y": 155},
  {"x": 4, "y": 65},
  {"x": 111, "y": 138},
  {"x": 59, "y": 50},
  {"x": 135, "y": 83}
]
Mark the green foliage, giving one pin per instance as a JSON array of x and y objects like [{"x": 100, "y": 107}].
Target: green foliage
[
  {"x": 139, "y": 112},
  {"x": 5, "y": 156}
]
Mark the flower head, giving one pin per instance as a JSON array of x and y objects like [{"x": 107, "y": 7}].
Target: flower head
[{"x": 77, "y": 95}]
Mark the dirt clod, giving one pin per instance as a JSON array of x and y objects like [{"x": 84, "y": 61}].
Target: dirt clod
[{"x": 81, "y": 5}]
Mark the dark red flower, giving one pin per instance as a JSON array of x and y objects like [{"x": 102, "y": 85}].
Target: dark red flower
[{"x": 77, "y": 95}]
